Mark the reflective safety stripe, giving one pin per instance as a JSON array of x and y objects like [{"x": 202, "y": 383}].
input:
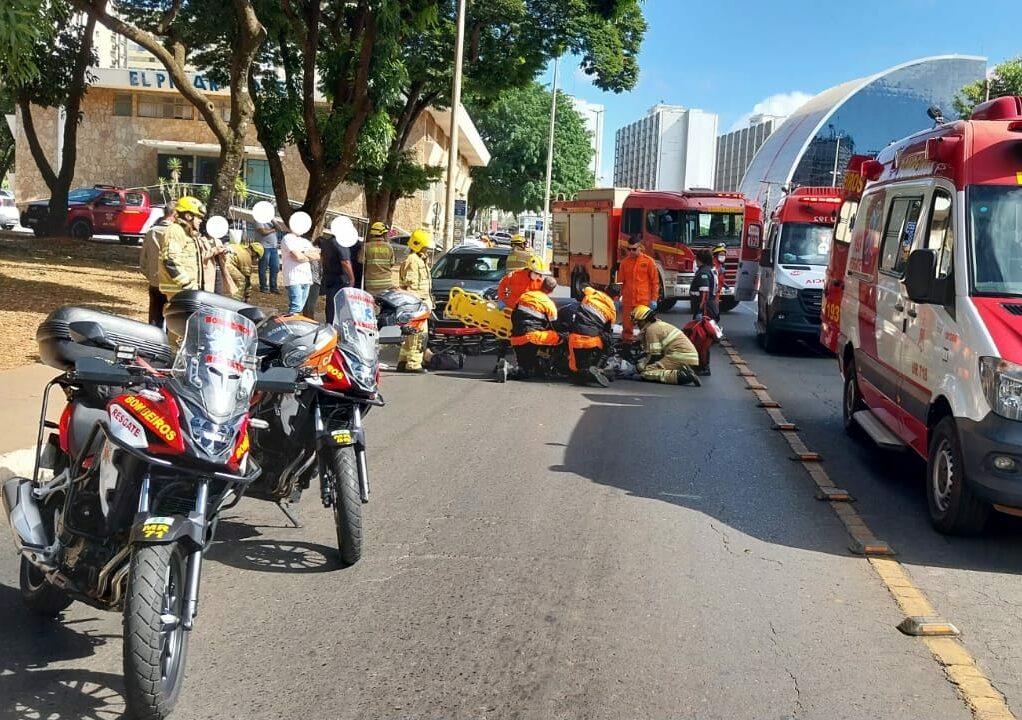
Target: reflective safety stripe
[
  {"x": 537, "y": 337},
  {"x": 531, "y": 312}
]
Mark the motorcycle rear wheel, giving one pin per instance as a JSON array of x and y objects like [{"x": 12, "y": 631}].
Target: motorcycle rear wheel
[
  {"x": 40, "y": 595},
  {"x": 347, "y": 504},
  {"x": 155, "y": 640}
]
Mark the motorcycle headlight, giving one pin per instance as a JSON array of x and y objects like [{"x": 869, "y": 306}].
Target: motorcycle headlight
[
  {"x": 786, "y": 291},
  {"x": 1002, "y": 385}
]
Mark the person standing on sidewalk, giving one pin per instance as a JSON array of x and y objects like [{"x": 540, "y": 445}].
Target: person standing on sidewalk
[
  {"x": 269, "y": 264},
  {"x": 149, "y": 263},
  {"x": 297, "y": 253},
  {"x": 309, "y": 310},
  {"x": 378, "y": 261},
  {"x": 337, "y": 269}
]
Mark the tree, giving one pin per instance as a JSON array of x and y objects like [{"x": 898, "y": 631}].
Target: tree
[
  {"x": 49, "y": 67},
  {"x": 516, "y": 130},
  {"x": 335, "y": 65},
  {"x": 6, "y": 139},
  {"x": 1006, "y": 79},
  {"x": 173, "y": 29},
  {"x": 507, "y": 45}
]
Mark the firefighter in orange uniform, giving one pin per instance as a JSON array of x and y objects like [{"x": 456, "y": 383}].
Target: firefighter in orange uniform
[
  {"x": 532, "y": 330},
  {"x": 640, "y": 284},
  {"x": 511, "y": 288},
  {"x": 589, "y": 324}
]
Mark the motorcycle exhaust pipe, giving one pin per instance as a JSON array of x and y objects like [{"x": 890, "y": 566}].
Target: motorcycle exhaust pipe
[{"x": 23, "y": 515}]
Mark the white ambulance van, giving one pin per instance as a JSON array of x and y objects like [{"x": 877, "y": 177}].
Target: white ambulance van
[{"x": 930, "y": 342}]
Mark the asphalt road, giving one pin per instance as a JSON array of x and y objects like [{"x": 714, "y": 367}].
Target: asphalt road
[{"x": 546, "y": 551}]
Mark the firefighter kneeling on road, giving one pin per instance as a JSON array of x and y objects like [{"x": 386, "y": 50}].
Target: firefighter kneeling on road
[
  {"x": 668, "y": 353},
  {"x": 416, "y": 279},
  {"x": 512, "y": 286},
  {"x": 589, "y": 324},
  {"x": 532, "y": 331}
]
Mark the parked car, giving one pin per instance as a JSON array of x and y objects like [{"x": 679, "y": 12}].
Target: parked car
[
  {"x": 399, "y": 242},
  {"x": 8, "y": 210},
  {"x": 99, "y": 210}
]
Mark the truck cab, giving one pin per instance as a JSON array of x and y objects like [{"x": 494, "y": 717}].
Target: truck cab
[
  {"x": 793, "y": 264},
  {"x": 930, "y": 342}
]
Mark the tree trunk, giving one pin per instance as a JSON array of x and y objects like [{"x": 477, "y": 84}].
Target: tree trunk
[
  {"x": 392, "y": 207},
  {"x": 6, "y": 160},
  {"x": 232, "y": 155},
  {"x": 377, "y": 205},
  {"x": 317, "y": 202}
]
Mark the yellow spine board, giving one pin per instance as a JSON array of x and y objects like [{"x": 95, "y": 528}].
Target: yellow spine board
[{"x": 476, "y": 311}]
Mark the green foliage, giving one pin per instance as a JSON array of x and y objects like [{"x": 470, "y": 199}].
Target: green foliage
[
  {"x": 23, "y": 24},
  {"x": 1005, "y": 80},
  {"x": 516, "y": 131}
]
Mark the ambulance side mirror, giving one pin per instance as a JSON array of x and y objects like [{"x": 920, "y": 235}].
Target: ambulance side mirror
[{"x": 920, "y": 273}]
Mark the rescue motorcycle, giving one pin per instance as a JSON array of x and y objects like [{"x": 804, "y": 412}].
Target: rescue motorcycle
[
  {"x": 129, "y": 486},
  {"x": 318, "y": 430}
]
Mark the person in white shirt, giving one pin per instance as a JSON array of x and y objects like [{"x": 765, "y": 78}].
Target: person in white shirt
[{"x": 297, "y": 256}]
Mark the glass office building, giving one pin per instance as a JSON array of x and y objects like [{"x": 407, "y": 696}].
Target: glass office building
[{"x": 861, "y": 117}]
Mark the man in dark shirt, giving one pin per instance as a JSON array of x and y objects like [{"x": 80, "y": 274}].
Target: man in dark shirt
[
  {"x": 337, "y": 271},
  {"x": 704, "y": 288}
]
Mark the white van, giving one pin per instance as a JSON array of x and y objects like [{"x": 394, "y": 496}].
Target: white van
[{"x": 930, "y": 342}]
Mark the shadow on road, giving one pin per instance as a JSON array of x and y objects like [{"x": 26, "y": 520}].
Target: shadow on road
[
  {"x": 718, "y": 456},
  {"x": 275, "y": 556},
  {"x": 30, "y": 688}
]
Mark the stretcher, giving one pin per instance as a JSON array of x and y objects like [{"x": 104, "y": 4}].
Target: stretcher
[{"x": 477, "y": 312}]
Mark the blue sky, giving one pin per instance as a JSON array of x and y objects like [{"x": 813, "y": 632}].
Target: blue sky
[{"x": 728, "y": 56}]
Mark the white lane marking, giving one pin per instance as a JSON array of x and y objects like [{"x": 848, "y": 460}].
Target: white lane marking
[{"x": 682, "y": 496}]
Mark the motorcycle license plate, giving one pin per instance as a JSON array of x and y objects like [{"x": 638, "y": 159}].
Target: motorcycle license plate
[{"x": 342, "y": 437}]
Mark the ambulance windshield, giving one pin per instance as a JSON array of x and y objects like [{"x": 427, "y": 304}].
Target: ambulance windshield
[
  {"x": 995, "y": 235},
  {"x": 804, "y": 244}
]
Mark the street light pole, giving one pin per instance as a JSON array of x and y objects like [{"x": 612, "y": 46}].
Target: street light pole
[
  {"x": 549, "y": 164},
  {"x": 452, "y": 154}
]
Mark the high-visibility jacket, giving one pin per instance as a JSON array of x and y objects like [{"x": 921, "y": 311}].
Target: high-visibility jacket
[
  {"x": 640, "y": 280},
  {"x": 240, "y": 265},
  {"x": 415, "y": 277},
  {"x": 377, "y": 257},
  {"x": 588, "y": 323},
  {"x": 661, "y": 339},
  {"x": 514, "y": 284},
  {"x": 518, "y": 259},
  {"x": 180, "y": 260},
  {"x": 532, "y": 320}
]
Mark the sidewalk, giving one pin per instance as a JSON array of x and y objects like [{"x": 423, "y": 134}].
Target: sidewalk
[{"x": 21, "y": 392}]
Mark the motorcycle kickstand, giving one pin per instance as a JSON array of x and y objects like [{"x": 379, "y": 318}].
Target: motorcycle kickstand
[{"x": 288, "y": 514}]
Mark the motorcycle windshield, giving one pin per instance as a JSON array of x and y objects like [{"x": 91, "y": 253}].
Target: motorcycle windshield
[
  {"x": 215, "y": 367},
  {"x": 357, "y": 335}
]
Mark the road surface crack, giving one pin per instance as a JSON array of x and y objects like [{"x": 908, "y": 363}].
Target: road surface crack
[
  {"x": 797, "y": 706},
  {"x": 725, "y": 539}
]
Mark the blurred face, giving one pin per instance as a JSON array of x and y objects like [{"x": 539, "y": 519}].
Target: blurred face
[
  {"x": 721, "y": 257},
  {"x": 633, "y": 250}
]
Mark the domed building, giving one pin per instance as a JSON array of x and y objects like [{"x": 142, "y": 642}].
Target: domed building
[{"x": 813, "y": 146}]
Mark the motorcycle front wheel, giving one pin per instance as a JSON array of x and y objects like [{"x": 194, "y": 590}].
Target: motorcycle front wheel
[
  {"x": 155, "y": 640},
  {"x": 347, "y": 504}
]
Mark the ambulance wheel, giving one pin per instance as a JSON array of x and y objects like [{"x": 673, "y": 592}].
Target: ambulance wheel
[
  {"x": 954, "y": 508},
  {"x": 771, "y": 341},
  {"x": 663, "y": 306},
  {"x": 851, "y": 402},
  {"x": 727, "y": 304}
]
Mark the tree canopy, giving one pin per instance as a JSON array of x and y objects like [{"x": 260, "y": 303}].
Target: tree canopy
[
  {"x": 1005, "y": 79},
  {"x": 516, "y": 131}
]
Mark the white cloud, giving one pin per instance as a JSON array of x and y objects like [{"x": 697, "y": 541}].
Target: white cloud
[{"x": 779, "y": 104}]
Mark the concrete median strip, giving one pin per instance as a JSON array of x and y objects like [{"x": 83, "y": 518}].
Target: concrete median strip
[{"x": 984, "y": 701}]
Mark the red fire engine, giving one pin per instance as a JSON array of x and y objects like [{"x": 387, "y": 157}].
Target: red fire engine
[
  {"x": 830, "y": 312},
  {"x": 591, "y": 230}
]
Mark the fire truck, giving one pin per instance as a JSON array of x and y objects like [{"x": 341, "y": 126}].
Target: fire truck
[
  {"x": 834, "y": 283},
  {"x": 793, "y": 263},
  {"x": 591, "y": 231}
]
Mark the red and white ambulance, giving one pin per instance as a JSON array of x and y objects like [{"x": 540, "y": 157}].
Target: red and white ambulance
[{"x": 930, "y": 342}]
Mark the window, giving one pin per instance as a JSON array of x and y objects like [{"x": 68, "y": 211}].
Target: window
[
  {"x": 631, "y": 221},
  {"x": 766, "y": 257},
  {"x": 942, "y": 236},
  {"x": 845, "y": 221},
  {"x": 110, "y": 199},
  {"x": 651, "y": 218},
  {"x": 804, "y": 244},
  {"x": 154, "y": 106},
  {"x": 186, "y": 171},
  {"x": 471, "y": 266},
  {"x": 134, "y": 199},
  {"x": 693, "y": 227},
  {"x": 994, "y": 216},
  {"x": 122, "y": 104},
  {"x": 899, "y": 233}
]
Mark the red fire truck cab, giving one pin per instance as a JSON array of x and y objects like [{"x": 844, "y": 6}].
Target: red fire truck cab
[{"x": 591, "y": 231}]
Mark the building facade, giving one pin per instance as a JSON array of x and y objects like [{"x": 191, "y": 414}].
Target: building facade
[
  {"x": 736, "y": 149},
  {"x": 592, "y": 115},
  {"x": 137, "y": 129},
  {"x": 672, "y": 148},
  {"x": 861, "y": 116}
]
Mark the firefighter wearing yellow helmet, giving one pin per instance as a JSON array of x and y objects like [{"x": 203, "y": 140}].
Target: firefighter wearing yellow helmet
[
  {"x": 180, "y": 265},
  {"x": 415, "y": 278},
  {"x": 520, "y": 253},
  {"x": 377, "y": 258},
  {"x": 668, "y": 354}
]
